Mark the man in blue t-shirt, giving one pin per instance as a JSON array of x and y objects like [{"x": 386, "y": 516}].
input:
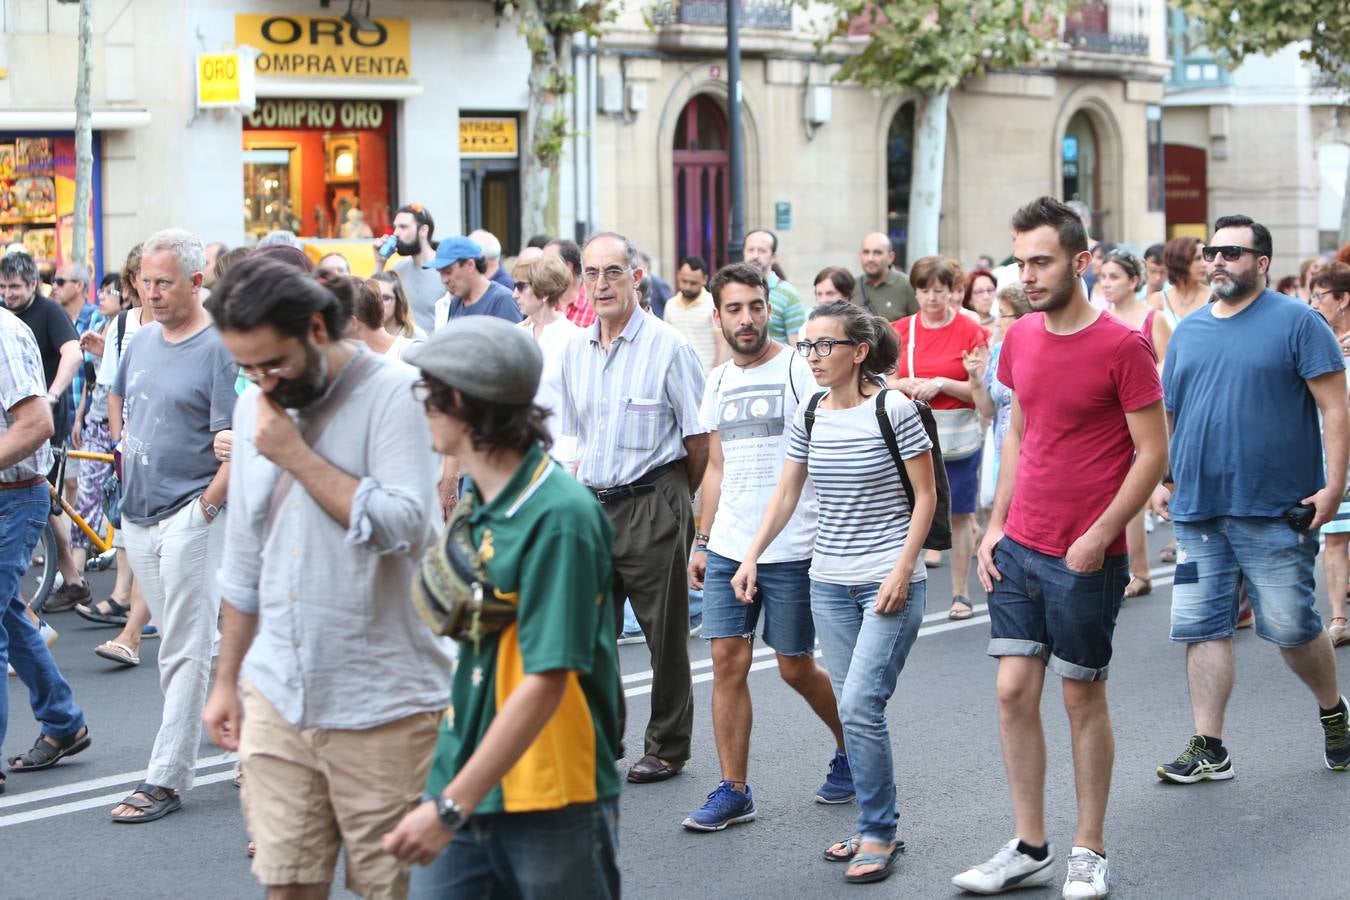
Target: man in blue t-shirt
[
  {"x": 468, "y": 290},
  {"x": 1245, "y": 379}
]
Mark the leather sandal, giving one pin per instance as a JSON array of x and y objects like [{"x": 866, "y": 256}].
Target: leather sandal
[
  {"x": 961, "y": 609},
  {"x": 46, "y": 754},
  {"x": 884, "y": 862},
  {"x": 153, "y": 801},
  {"x": 850, "y": 846}
]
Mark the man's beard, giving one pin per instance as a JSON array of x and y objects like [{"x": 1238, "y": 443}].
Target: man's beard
[
  {"x": 691, "y": 296},
  {"x": 403, "y": 249},
  {"x": 1059, "y": 296},
  {"x": 761, "y": 338},
  {"x": 1234, "y": 286},
  {"x": 303, "y": 391}
]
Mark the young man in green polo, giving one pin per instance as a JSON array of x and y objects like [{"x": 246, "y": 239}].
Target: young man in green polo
[{"x": 523, "y": 791}]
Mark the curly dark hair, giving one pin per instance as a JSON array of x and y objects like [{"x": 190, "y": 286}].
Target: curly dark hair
[{"x": 492, "y": 426}]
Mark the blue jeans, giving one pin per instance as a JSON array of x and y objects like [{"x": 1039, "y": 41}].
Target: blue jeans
[
  {"x": 23, "y": 515},
  {"x": 568, "y": 852},
  {"x": 1278, "y": 564},
  {"x": 864, "y": 653}
]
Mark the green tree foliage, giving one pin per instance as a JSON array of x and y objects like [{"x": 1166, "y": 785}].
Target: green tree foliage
[
  {"x": 933, "y": 45},
  {"x": 1241, "y": 28}
]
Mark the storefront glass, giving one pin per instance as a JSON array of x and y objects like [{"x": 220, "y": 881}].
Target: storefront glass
[
  {"x": 320, "y": 168},
  {"x": 37, "y": 197}
]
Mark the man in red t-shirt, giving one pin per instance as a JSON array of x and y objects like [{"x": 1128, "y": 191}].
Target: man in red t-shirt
[{"x": 1086, "y": 446}]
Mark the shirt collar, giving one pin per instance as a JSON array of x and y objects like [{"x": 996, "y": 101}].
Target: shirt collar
[
  {"x": 534, "y": 466},
  {"x": 630, "y": 331}
]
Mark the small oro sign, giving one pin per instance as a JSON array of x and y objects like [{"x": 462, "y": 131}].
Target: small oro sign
[{"x": 488, "y": 137}]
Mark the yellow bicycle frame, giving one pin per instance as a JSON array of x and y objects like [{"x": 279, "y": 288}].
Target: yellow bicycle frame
[{"x": 102, "y": 545}]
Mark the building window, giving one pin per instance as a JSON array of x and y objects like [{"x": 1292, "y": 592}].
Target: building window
[
  {"x": 899, "y": 171},
  {"x": 1156, "y": 187},
  {"x": 1081, "y": 165},
  {"x": 319, "y": 168}
]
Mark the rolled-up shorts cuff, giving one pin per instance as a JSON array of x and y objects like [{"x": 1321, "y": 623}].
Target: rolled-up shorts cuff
[
  {"x": 1179, "y": 636},
  {"x": 1017, "y": 647},
  {"x": 1075, "y": 672}
]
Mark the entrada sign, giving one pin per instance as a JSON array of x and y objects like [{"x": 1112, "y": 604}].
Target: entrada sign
[
  {"x": 487, "y": 138},
  {"x": 325, "y": 47}
]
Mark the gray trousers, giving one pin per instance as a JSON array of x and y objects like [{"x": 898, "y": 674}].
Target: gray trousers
[{"x": 652, "y": 536}]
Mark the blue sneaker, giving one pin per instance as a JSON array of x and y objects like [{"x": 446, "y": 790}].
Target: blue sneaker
[
  {"x": 838, "y": 786},
  {"x": 725, "y": 806}
]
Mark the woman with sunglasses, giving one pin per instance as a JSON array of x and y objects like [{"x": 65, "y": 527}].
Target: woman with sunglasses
[
  {"x": 1330, "y": 296},
  {"x": 1121, "y": 275},
  {"x": 867, "y": 581}
]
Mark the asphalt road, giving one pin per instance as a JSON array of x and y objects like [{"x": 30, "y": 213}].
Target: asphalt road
[{"x": 1279, "y": 829}]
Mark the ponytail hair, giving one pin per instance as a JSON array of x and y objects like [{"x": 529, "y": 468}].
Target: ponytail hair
[{"x": 883, "y": 346}]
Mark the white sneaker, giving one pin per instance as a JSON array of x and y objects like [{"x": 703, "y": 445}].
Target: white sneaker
[
  {"x": 1009, "y": 869},
  {"x": 1087, "y": 875}
]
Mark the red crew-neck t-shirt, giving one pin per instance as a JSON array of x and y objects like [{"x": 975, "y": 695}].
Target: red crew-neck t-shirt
[
  {"x": 937, "y": 353},
  {"x": 1074, "y": 390}
]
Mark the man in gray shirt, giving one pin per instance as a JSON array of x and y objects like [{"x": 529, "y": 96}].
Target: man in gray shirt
[
  {"x": 413, "y": 227},
  {"x": 176, "y": 381},
  {"x": 331, "y": 505},
  {"x": 881, "y": 290}
]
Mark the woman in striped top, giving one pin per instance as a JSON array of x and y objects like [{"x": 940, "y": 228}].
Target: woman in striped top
[{"x": 867, "y": 581}]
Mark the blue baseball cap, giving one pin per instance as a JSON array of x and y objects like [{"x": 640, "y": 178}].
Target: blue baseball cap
[{"x": 451, "y": 250}]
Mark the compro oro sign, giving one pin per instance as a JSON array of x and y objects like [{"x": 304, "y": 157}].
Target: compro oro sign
[
  {"x": 488, "y": 138},
  {"x": 225, "y": 79},
  {"x": 325, "y": 47}
]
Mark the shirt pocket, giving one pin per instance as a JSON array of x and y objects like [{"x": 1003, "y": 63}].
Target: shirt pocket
[{"x": 641, "y": 424}]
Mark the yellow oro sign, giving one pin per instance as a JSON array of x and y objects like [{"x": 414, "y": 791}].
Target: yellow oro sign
[
  {"x": 491, "y": 138},
  {"x": 224, "y": 79},
  {"x": 325, "y": 46}
]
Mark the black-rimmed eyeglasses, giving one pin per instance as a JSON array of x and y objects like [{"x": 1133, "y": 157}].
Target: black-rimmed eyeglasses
[
  {"x": 823, "y": 347},
  {"x": 1230, "y": 252}
]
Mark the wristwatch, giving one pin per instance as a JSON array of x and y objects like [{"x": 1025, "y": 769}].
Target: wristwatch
[
  {"x": 211, "y": 509},
  {"x": 452, "y": 817}
]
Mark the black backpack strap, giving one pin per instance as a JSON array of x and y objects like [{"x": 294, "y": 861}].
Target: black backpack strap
[
  {"x": 888, "y": 435},
  {"x": 792, "y": 382},
  {"x": 810, "y": 414},
  {"x": 121, "y": 330}
]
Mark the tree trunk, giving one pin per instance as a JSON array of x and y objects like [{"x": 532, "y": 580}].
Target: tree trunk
[
  {"x": 925, "y": 186},
  {"x": 84, "y": 141},
  {"x": 546, "y": 125}
]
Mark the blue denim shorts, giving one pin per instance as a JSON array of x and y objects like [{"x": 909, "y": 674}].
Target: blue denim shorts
[
  {"x": 784, "y": 596},
  {"x": 1278, "y": 564},
  {"x": 1043, "y": 608}
]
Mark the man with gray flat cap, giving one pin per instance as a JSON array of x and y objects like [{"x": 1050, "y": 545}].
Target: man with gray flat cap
[
  {"x": 523, "y": 793},
  {"x": 468, "y": 290}
]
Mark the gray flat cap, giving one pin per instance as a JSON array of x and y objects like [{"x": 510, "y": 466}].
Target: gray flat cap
[{"x": 485, "y": 357}]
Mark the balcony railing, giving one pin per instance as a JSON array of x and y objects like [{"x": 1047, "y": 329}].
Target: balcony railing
[
  {"x": 767, "y": 14},
  {"x": 1109, "y": 26}
]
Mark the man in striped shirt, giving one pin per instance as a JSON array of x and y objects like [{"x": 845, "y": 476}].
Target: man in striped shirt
[
  {"x": 632, "y": 387},
  {"x": 690, "y": 311}
]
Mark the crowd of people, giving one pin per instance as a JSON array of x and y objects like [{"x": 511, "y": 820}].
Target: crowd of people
[{"x": 345, "y": 501}]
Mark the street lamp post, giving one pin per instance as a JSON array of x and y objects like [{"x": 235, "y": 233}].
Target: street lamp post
[{"x": 736, "y": 243}]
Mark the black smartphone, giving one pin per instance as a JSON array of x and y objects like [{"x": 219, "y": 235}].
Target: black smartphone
[{"x": 1300, "y": 516}]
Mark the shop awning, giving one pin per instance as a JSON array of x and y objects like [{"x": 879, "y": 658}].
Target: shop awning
[
  {"x": 64, "y": 119},
  {"x": 336, "y": 88}
]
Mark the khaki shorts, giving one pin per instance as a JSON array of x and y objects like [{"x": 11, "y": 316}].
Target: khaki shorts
[{"x": 309, "y": 793}]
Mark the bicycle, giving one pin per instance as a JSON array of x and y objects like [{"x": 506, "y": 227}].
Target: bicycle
[{"x": 43, "y": 567}]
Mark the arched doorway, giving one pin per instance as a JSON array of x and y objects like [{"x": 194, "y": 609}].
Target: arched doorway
[
  {"x": 899, "y": 171},
  {"x": 702, "y": 194},
  {"x": 1081, "y": 166}
]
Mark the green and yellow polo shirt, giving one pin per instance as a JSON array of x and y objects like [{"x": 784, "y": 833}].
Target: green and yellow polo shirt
[{"x": 546, "y": 544}]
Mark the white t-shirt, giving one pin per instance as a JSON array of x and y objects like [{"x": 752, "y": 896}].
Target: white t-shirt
[
  {"x": 864, "y": 513},
  {"x": 107, "y": 369},
  {"x": 752, "y": 410},
  {"x": 553, "y": 340}
]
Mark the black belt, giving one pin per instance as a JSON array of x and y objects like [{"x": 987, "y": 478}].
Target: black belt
[{"x": 644, "y": 485}]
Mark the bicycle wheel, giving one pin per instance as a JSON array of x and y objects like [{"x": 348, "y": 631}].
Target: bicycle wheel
[{"x": 37, "y": 583}]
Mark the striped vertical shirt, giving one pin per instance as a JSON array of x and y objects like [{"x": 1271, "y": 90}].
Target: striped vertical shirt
[{"x": 630, "y": 409}]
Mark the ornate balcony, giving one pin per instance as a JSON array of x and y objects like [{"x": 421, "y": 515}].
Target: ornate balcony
[
  {"x": 773, "y": 15},
  {"x": 1109, "y": 26}
]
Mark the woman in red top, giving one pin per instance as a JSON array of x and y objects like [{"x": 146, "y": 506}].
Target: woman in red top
[{"x": 933, "y": 345}]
